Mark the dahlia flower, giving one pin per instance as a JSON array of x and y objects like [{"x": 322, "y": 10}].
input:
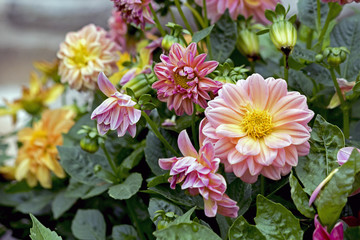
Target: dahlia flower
[
  {"x": 182, "y": 80},
  {"x": 84, "y": 54},
  {"x": 342, "y": 2},
  {"x": 118, "y": 29},
  {"x": 117, "y": 112},
  {"x": 247, "y": 8},
  {"x": 345, "y": 87},
  {"x": 38, "y": 156},
  {"x": 134, "y": 11},
  {"x": 321, "y": 233},
  {"x": 258, "y": 127},
  {"x": 197, "y": 173}
]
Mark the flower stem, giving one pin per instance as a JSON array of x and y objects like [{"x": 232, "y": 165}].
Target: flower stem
[
  {"x": 325, "y": 27},
  {"x": 154, "y": 128},
  {"x": 286, "y": 68},
  {"x": 108, "y": 157},
  {"x": 208, "y": 43},
  {"x": 134, "y": 219},
  {"x": 195, "y": 14},
  {"x": 193, "y": 129},
  {"x": 309, "y": 39},
  {"x": 344, "y": 106},
  {"x": 157, "y": 22},
  {"x": 178, "y": 6},
  {"x": 318, "y": 21}
]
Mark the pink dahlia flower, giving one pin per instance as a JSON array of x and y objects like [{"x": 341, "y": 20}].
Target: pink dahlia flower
[
  {"x": 197, "y": 173},
  {"x": 247, "y": 8},
  {"x": 134, "y": 11},
  {"x": 258, "y": 127},
  {"x": 182, "y": 79},
  {"x": 117, "y": 112},
  {"x": 118, "y": 29},
  {"x": 321, "y": 233},
  {"x": 84, "y": 54},
  {"x": 342, "y": 2}
]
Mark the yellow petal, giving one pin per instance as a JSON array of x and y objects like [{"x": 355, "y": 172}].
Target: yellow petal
[
  {"x": 53, "y": 93},
  {"x": 35, "y": 84},
  {"x": 22, "y": 169},
  {"x": 31, "y": 180},
  {"x": 44, "y": 177},
  {"x": 334, "y": 102}
]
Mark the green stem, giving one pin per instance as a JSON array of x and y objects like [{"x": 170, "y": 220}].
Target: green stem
[
  {"x": 309, "y": 39},
  {"x": 178, "y": 6},
  {"x": 286, "y": 68},
  {"x": 262, "y": 185},
  {"x": 154, "y": 128},
  {"x": 157, "y": 22},
  {"x": 134, "y": 219},
  {"x": 206, "y": 22},
  {"x": 344, "y": 106},
  {"x": 318, "y": 20},
  {"x": 195, "y": 14},
  {"x": 172, "y": 15},
  {"x": 277, "y": 189},
  {"x": 108, "y": 157},
  {"x": 324, "y": 28},
  {"x": 193, "y": 128}
]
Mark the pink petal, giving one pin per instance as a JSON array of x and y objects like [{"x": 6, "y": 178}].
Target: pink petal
[
  {"x": 259, "y": 91},
  {"x": 210, "y": 208},
  {"x": 248, "y": 146},
  {"x": 185, "y": 145},
  {"x": 230, "y": 130},
  {"x": 167, "y": 163},
  {"x": 344, "y": 154},
  {"x": 105, "y": 85},
  {"x": 277, "y": 140}
]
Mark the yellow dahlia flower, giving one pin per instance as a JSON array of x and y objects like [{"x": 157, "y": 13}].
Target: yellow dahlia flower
[
  {"x": 84, "y": 54},
  {"x": 38, "y": 156}
]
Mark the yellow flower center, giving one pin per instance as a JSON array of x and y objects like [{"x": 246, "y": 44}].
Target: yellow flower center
[
  {"x": 81, "y": 54},
  {"x": 257, "y": 123},
  {"x": 181, "y": 80}
]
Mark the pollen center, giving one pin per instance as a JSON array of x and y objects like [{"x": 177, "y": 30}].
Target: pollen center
[
  {"x": 257, "y": 123},
  {"x": 80, "y": 54},
  {"x": 181, "y": 80}
]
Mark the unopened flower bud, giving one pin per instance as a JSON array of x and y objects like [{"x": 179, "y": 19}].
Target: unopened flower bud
[
  {"x": 248, "y": 44},
  {"x": 319, "y": 58},
  {"x": 168, "y": 41},
  {"x": 141, "y": 84},
  {"x": 335, "y": 56},
  {"x": 89, "y": 144},
  {"x": 283, "y": 34}
]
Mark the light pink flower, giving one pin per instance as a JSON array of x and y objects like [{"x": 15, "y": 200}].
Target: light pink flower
[
  {"x": 117, "y": 112},
  {"x": 345, "y": 87},
  {"x": 247, "y": 8},
  {"x": 134, "y": 11},
  {"x": 321, "y": 233},
  {"x": 197, "y": 173},
  {"x": 258, "y": 127},
  {"x": 342, "y": 2},
  {"x": 182, "y": 79},
  {"x": 118, "y": 30},
  {"x": 84, "y": 54}
]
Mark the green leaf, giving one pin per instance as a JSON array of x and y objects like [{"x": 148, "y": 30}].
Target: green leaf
[
  {"x": 158, "y": 180},
  {"x": 17, "y": 187},
  {"x": 300, "y": 198},
  {"x": 39, "y": 232},
  {"x": 36, "y": 203},
  {"x": 308, "y": 13},
  {"x": 80, "y": 165},
  {"x": 319, "y": 74},
  {"x": 352, "y": 233},
  {"x": 300, "y": 82},
  {"x": 61, "y": 204},
  {"x": 89, "y": 225},
  {"x": 128, "y": 188},
  {"x": 333, "y": 197},
  {"x": 302, "y": 54},
  {"x": 156, "y": 204},
  {"x": 326, "y": 140},
  {"x": 240, "y": 192},
  {"x": 134, "y": 158},
  {"x": 223, "y": 38},
  {"x": 73, "y": 132},
  {"x": 275, "y": 221},
  {"x": 96, "y": 190},
  {"x": 124, "y": 232},
  {"x": 200, "y": 35},
  {"x": 188, "y": 231},
  {"x": 145, "y": 98},
  {"x": 347, "y": 34},
  {"x": 241, "y": 229}
]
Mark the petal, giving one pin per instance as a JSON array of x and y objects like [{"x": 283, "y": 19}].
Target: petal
[
  {"x": 167, "y": 163},
  {"x": 105, "y": 85},
  {"x": 259, "y": 91},
  {"x": 277, "y": 140},
  {"x": 344, "y": 154},
  {"x": 210, "y": 208},
  {"x": 230, "y": 130},
  {"x": 248, "y": 146},
  {"x": 185, "y": 145}
]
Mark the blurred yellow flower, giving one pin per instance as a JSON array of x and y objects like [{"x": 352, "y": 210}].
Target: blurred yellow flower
[
  {"x": 122, "y": 69},
  {"x": 49, "y": 69},
  {"x": 38, "y": 156},
  {"x": 34, "y": 99},
  {"x": 8, "y": 172}
]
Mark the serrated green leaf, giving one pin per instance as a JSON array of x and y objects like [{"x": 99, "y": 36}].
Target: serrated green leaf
[
  {"x": 303, "y": 54},
  {"x": 333, "y": 197},
  {"x": 326, "y": 140},
  {"x": 134, "y": 158},
  {"x": 240, "y": 192},
  {"x": 126, "y": 189},
  {"x": 300, "y": 198},
  {"x": 96, "y": 190},
  {"x": 40, "y": 232},
  {"x": 200, "y": 35},
  {"x": 61, "y": 204},
  {"x": 223, "y": 38},
  {"x": 300, "y": 82},
  {"x": 89, "y": 225},
  {"x": 156, "y": 204},
  {"x": 144, "y": 98},
  {"x": 308, "y": 13},
  {"x": 124, "y": 232},
  {"x": 276, "y": 222},
  {"x": 36, "y": 203},
  {"x": 241, "y": 229},
  {"x": 347, "y": 34}
]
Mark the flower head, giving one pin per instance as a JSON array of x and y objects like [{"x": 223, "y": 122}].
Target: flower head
[
  {"x": 345, "y": 87},
  {"x": 197, "y": 173},
  {"x": 258, "y": 127},
  {"x": 247, "y": 8},
  {"x": 321, "y": 233},
  {"x": 84, "y": 54},
  {"x": 134, "y": 11},
  {"x": 117, "y": 112},
  {"x": 38, "y": 156},
  {"x": 118, "y": 29},
  {"x": 182, "y": 79},
  {"x": 342, "y": 2}
]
